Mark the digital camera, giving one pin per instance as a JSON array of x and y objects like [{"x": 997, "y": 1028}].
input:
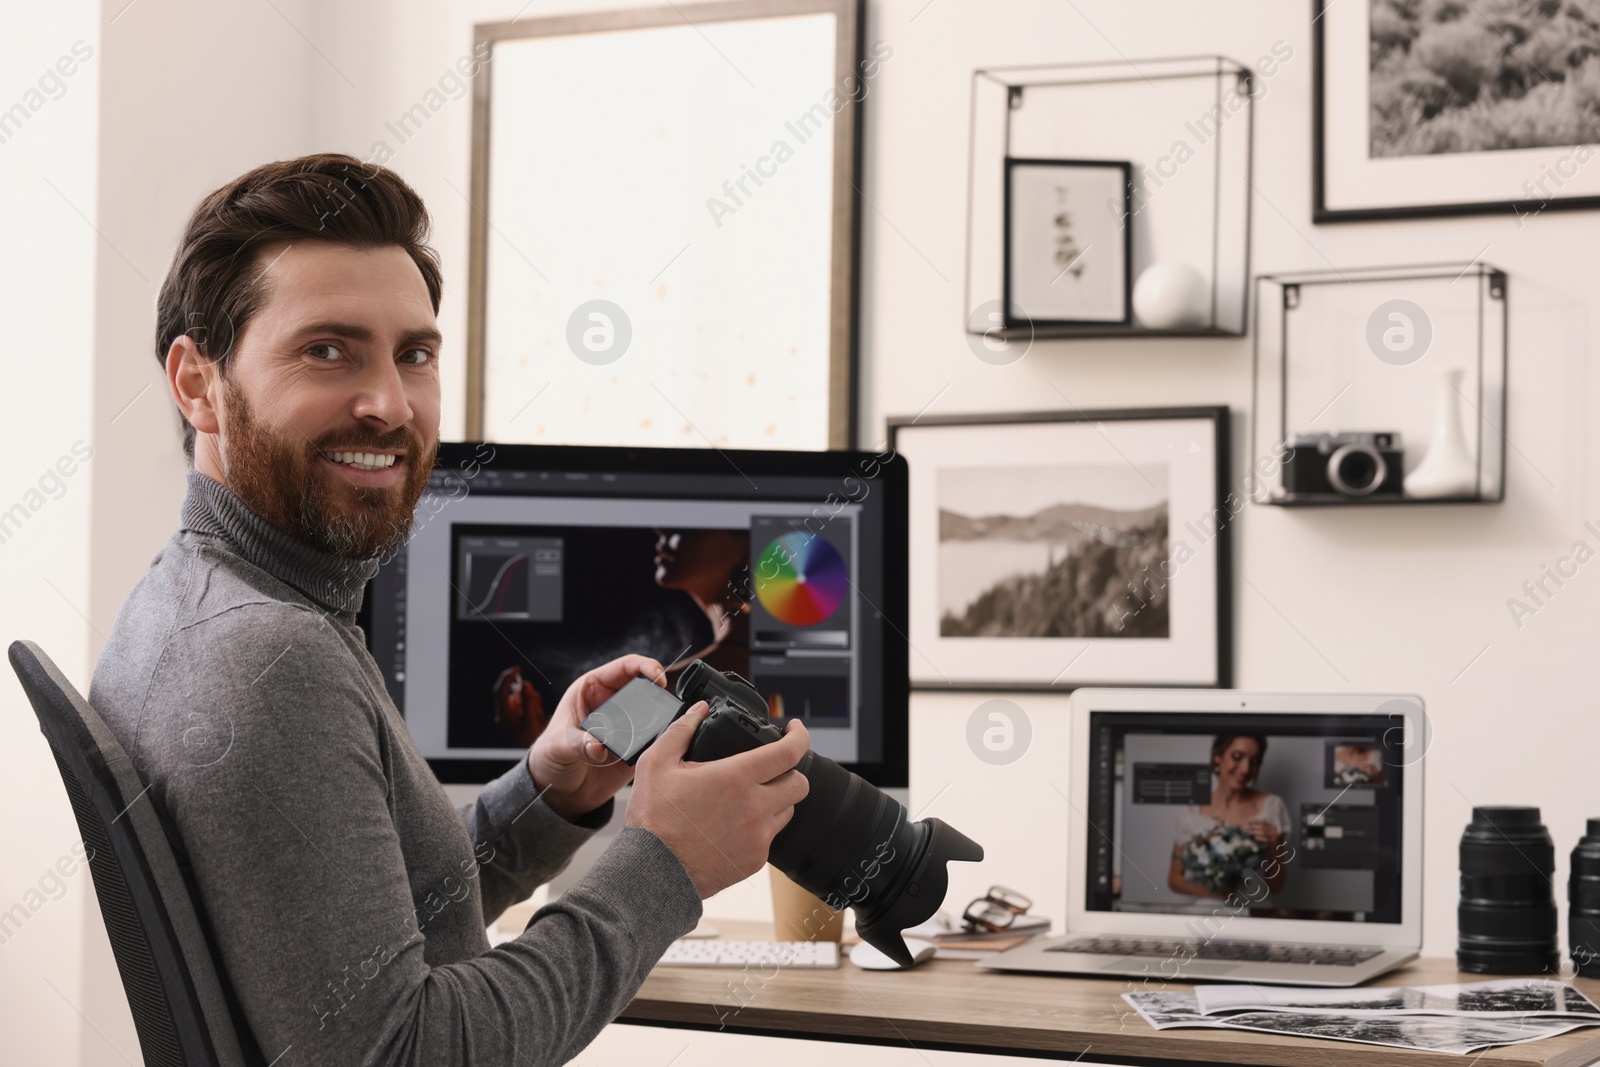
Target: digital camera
[
  {"x": 849, "y": 842},
  {"x": 1344, "y": 464}
]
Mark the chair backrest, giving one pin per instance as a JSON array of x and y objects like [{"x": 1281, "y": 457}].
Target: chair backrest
[{"x": 178, "y": 1004}]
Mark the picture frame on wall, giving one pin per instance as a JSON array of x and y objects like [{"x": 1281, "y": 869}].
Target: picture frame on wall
[
  {"x": 1068, "y": 256},
  {"x": 1055, "y": 550},
  {"x": 661, "y": 302},
  {"x": 1417, "y": 113}
]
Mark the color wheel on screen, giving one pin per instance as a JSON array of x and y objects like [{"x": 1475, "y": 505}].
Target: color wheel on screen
[{"x": 801, "y": 579}]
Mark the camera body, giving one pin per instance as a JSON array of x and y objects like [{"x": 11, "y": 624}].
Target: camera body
[
  {"x": 738, "y": 719},
  {"x": 1355, "y": 464}
]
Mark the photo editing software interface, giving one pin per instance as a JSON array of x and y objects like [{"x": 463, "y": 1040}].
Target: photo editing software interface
[
  {"x": 1295, "y": 816},
  {"x": 516, "y": 582}
]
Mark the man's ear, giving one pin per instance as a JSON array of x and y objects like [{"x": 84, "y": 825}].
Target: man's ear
[{"x": 195, "y": 382}]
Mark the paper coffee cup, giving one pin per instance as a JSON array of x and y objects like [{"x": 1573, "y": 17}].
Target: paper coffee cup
[{"x": 798, "y": 915}]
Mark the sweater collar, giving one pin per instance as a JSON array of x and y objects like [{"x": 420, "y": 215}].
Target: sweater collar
[{"x": 334, "y": 582}]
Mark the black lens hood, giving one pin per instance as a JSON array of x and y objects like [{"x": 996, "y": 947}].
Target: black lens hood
[{"x": 924, "y": 890}]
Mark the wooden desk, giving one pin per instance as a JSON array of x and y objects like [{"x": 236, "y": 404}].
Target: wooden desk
[{"x": 952, "y": 1005}]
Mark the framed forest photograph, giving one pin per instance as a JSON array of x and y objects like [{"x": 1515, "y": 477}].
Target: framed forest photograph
[
  {"x": 1431, "y": 108},
  {"x": 1054, "y": 550}
]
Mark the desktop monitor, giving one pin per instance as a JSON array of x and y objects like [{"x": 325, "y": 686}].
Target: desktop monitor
[{"x": 530, "y": 564}]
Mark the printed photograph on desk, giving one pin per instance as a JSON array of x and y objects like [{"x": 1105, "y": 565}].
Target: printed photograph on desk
[
  {"x": 1054, "y": 550},
  {"x": 1455, "y": 1019}
]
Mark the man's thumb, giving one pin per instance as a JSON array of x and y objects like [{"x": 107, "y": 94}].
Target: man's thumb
[{"x": 674, "y": 740}]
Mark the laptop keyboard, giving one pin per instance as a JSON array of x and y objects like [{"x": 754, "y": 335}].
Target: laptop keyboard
[{"x": 1248, "y": 951}]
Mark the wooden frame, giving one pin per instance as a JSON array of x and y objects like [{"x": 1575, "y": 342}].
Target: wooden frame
[{"x": 845, "y": 239}]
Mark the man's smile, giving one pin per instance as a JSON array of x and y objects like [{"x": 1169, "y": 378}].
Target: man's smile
[{"x": 368, "y": 468}]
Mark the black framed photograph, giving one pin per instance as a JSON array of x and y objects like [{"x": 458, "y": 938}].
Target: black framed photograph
[
  {"x": 1055, "y": 550},
  {"x": 1424, "y": 110},
  {"x": 1068, "y": 256}
]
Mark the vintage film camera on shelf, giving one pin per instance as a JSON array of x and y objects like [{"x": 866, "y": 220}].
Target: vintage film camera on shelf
[{"x": 1353, "y": 464}]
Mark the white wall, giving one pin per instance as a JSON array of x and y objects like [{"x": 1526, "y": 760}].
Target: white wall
[
  {"x": 47, "y": 255},
  {"x": 1404, "y": 598},
  {"x": 1408, "y": 599},
  {"x": 176, "y": 100},
  {"x": 1359, "y": 599},
  {"x": 192, "y": 95}
]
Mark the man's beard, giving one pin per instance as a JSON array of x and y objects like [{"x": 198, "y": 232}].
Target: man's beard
[{"x": 276, "y": 477}]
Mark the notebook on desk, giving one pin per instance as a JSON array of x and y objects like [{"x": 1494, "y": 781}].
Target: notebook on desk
[{"x": 1261, "y": 837}]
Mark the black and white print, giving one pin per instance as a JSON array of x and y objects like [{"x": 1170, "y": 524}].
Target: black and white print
[
  {"x": 1456, "y": 1019},
  {"x": 1452, "y": 77},
  {"x": 1052, "y": 551}
]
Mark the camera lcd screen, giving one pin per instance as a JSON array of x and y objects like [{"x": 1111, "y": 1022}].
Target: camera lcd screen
[{"x": 633, "y": 717}]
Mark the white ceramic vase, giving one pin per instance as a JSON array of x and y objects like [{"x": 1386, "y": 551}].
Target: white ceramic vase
[{"x": 1449, "y": 468}]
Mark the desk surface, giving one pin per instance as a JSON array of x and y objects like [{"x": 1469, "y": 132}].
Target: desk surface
[{"x": 950, "y": 1004}]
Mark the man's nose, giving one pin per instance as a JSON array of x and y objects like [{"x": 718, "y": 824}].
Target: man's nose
[{"x": 382, "y": 395}]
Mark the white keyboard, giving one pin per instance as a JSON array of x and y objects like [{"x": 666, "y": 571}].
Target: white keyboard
[{"x": 714, "y": 952}]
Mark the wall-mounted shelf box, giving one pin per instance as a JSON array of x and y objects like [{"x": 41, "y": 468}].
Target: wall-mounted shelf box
[
  {"x": 1184, "y": 125},
  {"x": 1407, "y": 351}
]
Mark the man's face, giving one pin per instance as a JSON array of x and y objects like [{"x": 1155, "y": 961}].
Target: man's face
[{"x": 341, "y": 358}]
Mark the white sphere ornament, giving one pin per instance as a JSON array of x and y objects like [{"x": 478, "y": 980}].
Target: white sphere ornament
[{"x": 1171, "y": 296}]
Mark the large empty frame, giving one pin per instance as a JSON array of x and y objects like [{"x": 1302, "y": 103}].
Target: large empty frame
[{"x": 664, "y": 227}]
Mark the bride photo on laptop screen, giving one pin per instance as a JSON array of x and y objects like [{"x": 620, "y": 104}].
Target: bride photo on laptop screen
[
  {"x": 1231, "y": 835},
  {"x": 1277, "y": 816},
  {"x": 1239, "y": 829}
]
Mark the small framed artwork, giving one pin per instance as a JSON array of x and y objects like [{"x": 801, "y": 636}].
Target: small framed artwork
[
  {"x": 1054, "y": 550},
  {"x": 1434, "y": 110},
  {"x": 1068, "y": 242}
]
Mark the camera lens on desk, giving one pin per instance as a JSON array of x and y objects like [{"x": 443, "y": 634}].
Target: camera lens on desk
[
  {"x": 1583, "y": 899},
  {"x": 1507, "y": 915}
]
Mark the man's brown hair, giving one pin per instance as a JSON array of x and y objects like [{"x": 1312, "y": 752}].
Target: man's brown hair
[{"x": 214, "y": 286}]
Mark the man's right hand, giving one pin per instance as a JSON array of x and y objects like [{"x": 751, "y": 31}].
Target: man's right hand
[{"x": 719, "y": 818}]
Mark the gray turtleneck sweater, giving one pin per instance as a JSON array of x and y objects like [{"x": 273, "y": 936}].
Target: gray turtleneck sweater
[{"x": 345, "y": 898}]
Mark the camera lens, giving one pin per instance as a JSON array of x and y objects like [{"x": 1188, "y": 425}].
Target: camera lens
[
  {"x": 1507, "y": 915},
  {"x": 1356, "y": 469},
  {"x": 841, "y": 835},
  {"x": 849, "y": 842},
  {"x": 1583, "y": 898}
]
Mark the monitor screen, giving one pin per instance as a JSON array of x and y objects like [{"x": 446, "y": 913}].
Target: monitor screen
[
  {"x": 1293, "y": 816},
  {"x": 529, "y": 565}
]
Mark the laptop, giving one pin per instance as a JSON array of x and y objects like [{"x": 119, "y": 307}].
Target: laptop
[{"x": 1240, "y": 837}]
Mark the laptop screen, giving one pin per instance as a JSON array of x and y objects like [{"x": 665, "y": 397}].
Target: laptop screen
[{"x": 1288, "y": 816}]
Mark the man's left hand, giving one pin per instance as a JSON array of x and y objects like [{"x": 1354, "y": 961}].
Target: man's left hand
[{"x": 575, "y": 772}]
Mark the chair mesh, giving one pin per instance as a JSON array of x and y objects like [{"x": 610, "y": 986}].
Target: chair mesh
[{"x": 158, "y": 1038}]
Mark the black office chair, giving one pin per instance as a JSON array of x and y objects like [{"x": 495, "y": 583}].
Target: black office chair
[{"x": 178, "y": 1003}]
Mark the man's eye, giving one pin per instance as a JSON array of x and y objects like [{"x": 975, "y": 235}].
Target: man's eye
[
  {"x": 425, "y": 354},
  {"x": 331, "y": 347}
]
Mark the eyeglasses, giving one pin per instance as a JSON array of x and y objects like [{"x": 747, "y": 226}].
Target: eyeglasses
[{"x": 995, "y": 911}]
